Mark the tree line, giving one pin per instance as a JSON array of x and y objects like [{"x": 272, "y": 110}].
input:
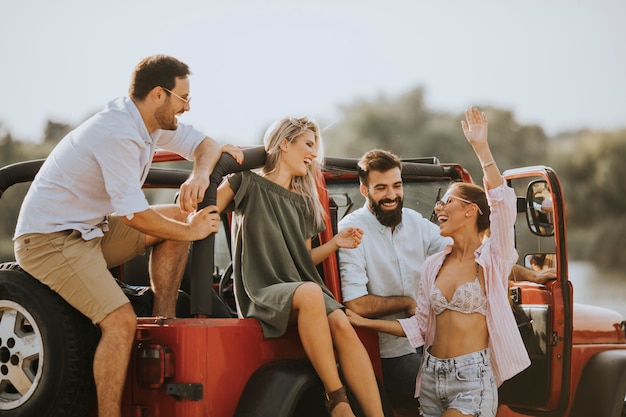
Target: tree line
[{"x": 590, "y": 164}]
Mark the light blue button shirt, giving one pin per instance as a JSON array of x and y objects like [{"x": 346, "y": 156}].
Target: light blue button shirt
[
  {"x": 388, "y": 263},
  {"x": 99, "y": 169}
]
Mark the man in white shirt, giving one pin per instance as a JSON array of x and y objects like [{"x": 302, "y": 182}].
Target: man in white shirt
[
  {"x": 381, "y": 277},
  {"x": 86, "y": 212}
]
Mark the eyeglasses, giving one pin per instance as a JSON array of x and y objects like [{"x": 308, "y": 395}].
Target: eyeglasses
[
  {"x": 443, "y": 202},
  {"x": 184, "y": 100}
]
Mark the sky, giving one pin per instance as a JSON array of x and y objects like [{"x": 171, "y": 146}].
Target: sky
[{"x": 560, "y": 64}]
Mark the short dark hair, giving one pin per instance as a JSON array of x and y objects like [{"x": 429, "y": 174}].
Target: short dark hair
[
  {"x": 156, "y": 71},
  {"x": 376, "y": 160}
]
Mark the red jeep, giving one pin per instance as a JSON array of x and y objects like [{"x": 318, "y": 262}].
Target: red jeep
[{"x": 223, "y": 367}]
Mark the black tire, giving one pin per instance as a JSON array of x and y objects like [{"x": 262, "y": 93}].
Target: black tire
[
  {"x": 46, "y": 350},
  {"x": 602, "y": 386},
  {"x": 291, "y": 388}
]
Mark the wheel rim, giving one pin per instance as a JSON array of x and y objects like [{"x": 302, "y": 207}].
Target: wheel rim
[{"x": 21, "y": 355}]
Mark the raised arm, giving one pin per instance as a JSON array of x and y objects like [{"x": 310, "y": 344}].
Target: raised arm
[{"x": 475, "y": 130}]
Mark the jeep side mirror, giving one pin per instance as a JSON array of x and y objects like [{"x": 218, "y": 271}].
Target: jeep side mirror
[
  {"x": 540, "y": 261},
  {"x": 539, "y": 209}
]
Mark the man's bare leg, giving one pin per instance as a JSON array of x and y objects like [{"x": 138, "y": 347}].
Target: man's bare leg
[
  {"x": 110, "y": 361},
  {"x": 167, "y": 265}
]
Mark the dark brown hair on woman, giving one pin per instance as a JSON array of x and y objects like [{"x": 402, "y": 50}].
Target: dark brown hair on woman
[{"x": 475, "y": 194}]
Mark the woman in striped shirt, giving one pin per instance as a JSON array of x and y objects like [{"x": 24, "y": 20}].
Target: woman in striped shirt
[{"x": 463, "y": 316}]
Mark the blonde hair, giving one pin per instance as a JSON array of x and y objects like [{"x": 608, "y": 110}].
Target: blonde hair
[{"x": 290, "y": 128}]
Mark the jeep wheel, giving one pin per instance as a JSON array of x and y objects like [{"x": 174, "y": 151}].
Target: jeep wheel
[{"x": 46, "y": 350}]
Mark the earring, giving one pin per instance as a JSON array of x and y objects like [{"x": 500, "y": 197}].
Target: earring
[{"x": 466, "y": 214}]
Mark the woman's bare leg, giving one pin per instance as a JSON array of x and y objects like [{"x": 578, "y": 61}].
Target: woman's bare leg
[
  {"x": 309, "y": 311},
  {"x": 355, "y": 364}
]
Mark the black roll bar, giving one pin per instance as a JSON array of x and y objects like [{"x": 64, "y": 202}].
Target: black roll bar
[{"x": 203, "y": 251}]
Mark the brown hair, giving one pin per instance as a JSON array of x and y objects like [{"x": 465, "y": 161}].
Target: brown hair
[
  {"x": 376, "y": 160},
  {"x": 156, "y": 71},
  {"x": 476, "y": 195}
]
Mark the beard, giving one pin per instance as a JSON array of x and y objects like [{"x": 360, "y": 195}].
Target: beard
[
  {"x": 165, "y": 119},
  {"x": 389, "y": 218}
]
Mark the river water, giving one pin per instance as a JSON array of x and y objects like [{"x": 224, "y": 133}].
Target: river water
[{"x": 600, "y": 287}]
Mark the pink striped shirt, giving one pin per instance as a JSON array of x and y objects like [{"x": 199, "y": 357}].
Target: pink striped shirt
[{"x": 496, "y": 256}]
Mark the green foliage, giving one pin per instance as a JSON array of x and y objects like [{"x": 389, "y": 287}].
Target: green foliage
[
  {"x": 12, "y": 151},
  {"x": 591, "y": 168},
  {"x": 608, "y": 242},
  {"x": 406, "y": 127},
  {"x": 592, "y": 174},
  {"x": 54, "y": 132},
  {"x": 10, "y": 205},
  {"x": 396, "y": 126}
]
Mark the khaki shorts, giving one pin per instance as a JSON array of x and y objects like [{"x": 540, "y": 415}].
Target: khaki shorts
[{"x": 78, "y": 269}]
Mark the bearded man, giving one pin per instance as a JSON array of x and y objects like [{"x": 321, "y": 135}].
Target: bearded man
[{"x": 380, "y": 278}]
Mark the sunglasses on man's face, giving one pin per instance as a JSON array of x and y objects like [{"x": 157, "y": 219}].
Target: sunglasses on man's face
[{"x": 187, "y": 100}]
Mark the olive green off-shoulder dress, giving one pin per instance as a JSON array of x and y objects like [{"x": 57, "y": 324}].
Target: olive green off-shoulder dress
[{"x": 271, "y": 258}]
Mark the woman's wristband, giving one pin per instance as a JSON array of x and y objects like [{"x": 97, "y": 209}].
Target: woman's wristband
[{"x": 488, "y": 164}]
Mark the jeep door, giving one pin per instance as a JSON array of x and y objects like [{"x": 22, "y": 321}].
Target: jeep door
[{"x": 543, "y": 312}]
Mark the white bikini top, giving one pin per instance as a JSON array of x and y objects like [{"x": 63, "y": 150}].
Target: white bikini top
[{"x": 468, "y": 298}]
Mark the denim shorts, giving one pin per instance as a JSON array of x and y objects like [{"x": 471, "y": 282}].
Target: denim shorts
[{"x": 465, "y": 383}]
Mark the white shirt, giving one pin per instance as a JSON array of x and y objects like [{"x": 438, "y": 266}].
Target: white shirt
[
  {"x": 98, "y": 169},
  {"x": 388, "y": 264}
]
